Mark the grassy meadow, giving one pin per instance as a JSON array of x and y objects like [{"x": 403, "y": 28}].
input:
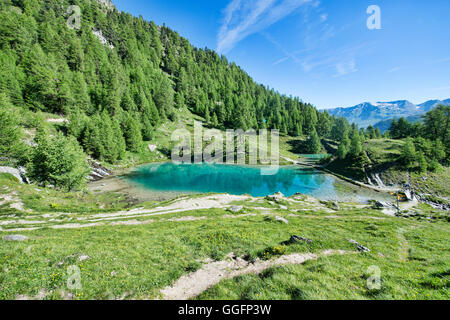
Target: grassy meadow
[{"x": 137, "y": 261}]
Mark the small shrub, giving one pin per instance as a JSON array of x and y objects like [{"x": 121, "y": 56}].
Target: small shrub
[{"x": 273, "y": 251}]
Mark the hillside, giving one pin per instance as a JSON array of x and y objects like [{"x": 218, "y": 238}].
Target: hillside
[
  {"x": 114, "y": 81},
  {"x": 386, "y": 124}
]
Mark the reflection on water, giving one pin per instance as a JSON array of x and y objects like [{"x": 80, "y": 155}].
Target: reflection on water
[{"x": 238, "y": 180}]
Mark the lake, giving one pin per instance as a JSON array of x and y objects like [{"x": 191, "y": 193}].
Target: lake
[{"x": 169, "y": 178}]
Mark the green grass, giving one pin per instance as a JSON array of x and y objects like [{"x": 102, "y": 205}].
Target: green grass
[
  {"x": 141, "y": 260},
  {"x": 424, "y": 275}
]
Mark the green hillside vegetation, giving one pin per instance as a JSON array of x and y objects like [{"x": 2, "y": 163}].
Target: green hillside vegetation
[
  {"x": 116, "y": 96},
  {"x": 407, "y": 148}
]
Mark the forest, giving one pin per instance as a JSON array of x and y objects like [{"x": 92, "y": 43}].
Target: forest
[{"x": 116, "y": 94}]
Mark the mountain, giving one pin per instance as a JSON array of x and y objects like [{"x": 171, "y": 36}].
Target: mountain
[
  {"x": 429, "y": 105},
  {"x": 386, "y": 124},
  {"x": 367, "y": 113}
]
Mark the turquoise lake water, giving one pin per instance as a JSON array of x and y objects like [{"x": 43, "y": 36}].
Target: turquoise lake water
[{"x": 233, "y": 179}]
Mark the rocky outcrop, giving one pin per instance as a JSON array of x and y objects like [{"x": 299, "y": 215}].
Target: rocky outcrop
[
  {"x": 277, "y": 197},
  {"x": 107, "y": 4},
  {"x": 19, "y": 173},
  {"x": 99, "y": 34},
  {"x": 381, "y": 204},
  {"x": 98, "y": 171}
]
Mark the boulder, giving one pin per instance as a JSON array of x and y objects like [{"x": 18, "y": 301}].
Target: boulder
[
  {"x": 12, "y": 171},
  {"x": 236, "y": 209},
  {"x": 15, "y": 238},
  {"x": 360, "y": 247},
  {"x": 334, "y": 205},
  {"x": 281, "y": 219},
  {"x": 381, "y": 204},
  {"x": 295, "y": 239},
  {"x": 277, "y": 197},
  {"x": 83, "y": 258}
]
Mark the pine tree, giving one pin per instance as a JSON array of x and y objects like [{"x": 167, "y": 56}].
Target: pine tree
[
  {"x": 377, "y": 133},
  {"x": 438, "y": 151},
  {"x": 408, "y": 155},
  {"x": 342, "y": 151},
  {"x": 215, "y": 121},
  {"x": 11, "y": 145},
  {"x": 132, "y": 133},
  {"x": 355, "y": 144},
  {"x": 314, "y": 145},
  {"x": 119, "y": 139},
  {"x": 298, "y": 130},
  {"x": 423, "y": 165}
]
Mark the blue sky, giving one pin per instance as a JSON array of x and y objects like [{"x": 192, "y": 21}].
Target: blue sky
[{"x": 321, "y": 50}]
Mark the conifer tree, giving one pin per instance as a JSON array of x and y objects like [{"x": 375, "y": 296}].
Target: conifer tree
[
  {"x": 313, "y": 144},
  {"x": 423, "y": 165},
  {"x": 408, "y": 155},
  {"x": 355, "y": 144},
  {"x": 132, "y": 133}
]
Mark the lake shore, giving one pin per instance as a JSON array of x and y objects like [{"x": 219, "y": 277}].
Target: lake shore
[{"x": 120, "y": 183}]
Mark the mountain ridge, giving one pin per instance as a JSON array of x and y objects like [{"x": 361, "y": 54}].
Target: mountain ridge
[{"x": 371, "y": 113}]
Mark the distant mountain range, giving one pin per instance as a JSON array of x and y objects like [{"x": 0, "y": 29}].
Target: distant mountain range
[{"x": 366, "y": 114}]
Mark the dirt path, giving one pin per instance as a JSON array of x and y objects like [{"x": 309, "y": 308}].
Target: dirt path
[
  {"x": 192, "y": 285},
  {"x": 221, "y": 201}
]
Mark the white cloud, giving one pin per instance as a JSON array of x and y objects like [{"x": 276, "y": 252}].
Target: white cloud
[
  {"x": 344, "y": 68},
  {"x": 245, "y": 17},
  {"x": 395, "y": 69},
  {"x": 280, "y": 61},
  {"x": 323, "y": 17}
]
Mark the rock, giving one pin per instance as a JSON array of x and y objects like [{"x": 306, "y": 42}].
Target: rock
[
  {"x": 360, "y": 247},
  {"x": 99, "y": 34},
  {"x": 295, "y": 239},
  {"x": 98, "y": 171},
  {"x": 236, "y": 209},
  {"x": 334, "y": 205},
  {"x": 277, "y": 197},
  {"x": 15, "y": 238},
  {"x": 283, "y": 207},
  {"x": 152, "y": 147},
  {"x": 381, "y": 204},
  {"x": 410, "y": 195},
  {"x": 83, "y": 258},
  {"x": 107, "y": 3},
  {"x": 12, "y": 171},
  {"x": 281, "y": 219}
]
